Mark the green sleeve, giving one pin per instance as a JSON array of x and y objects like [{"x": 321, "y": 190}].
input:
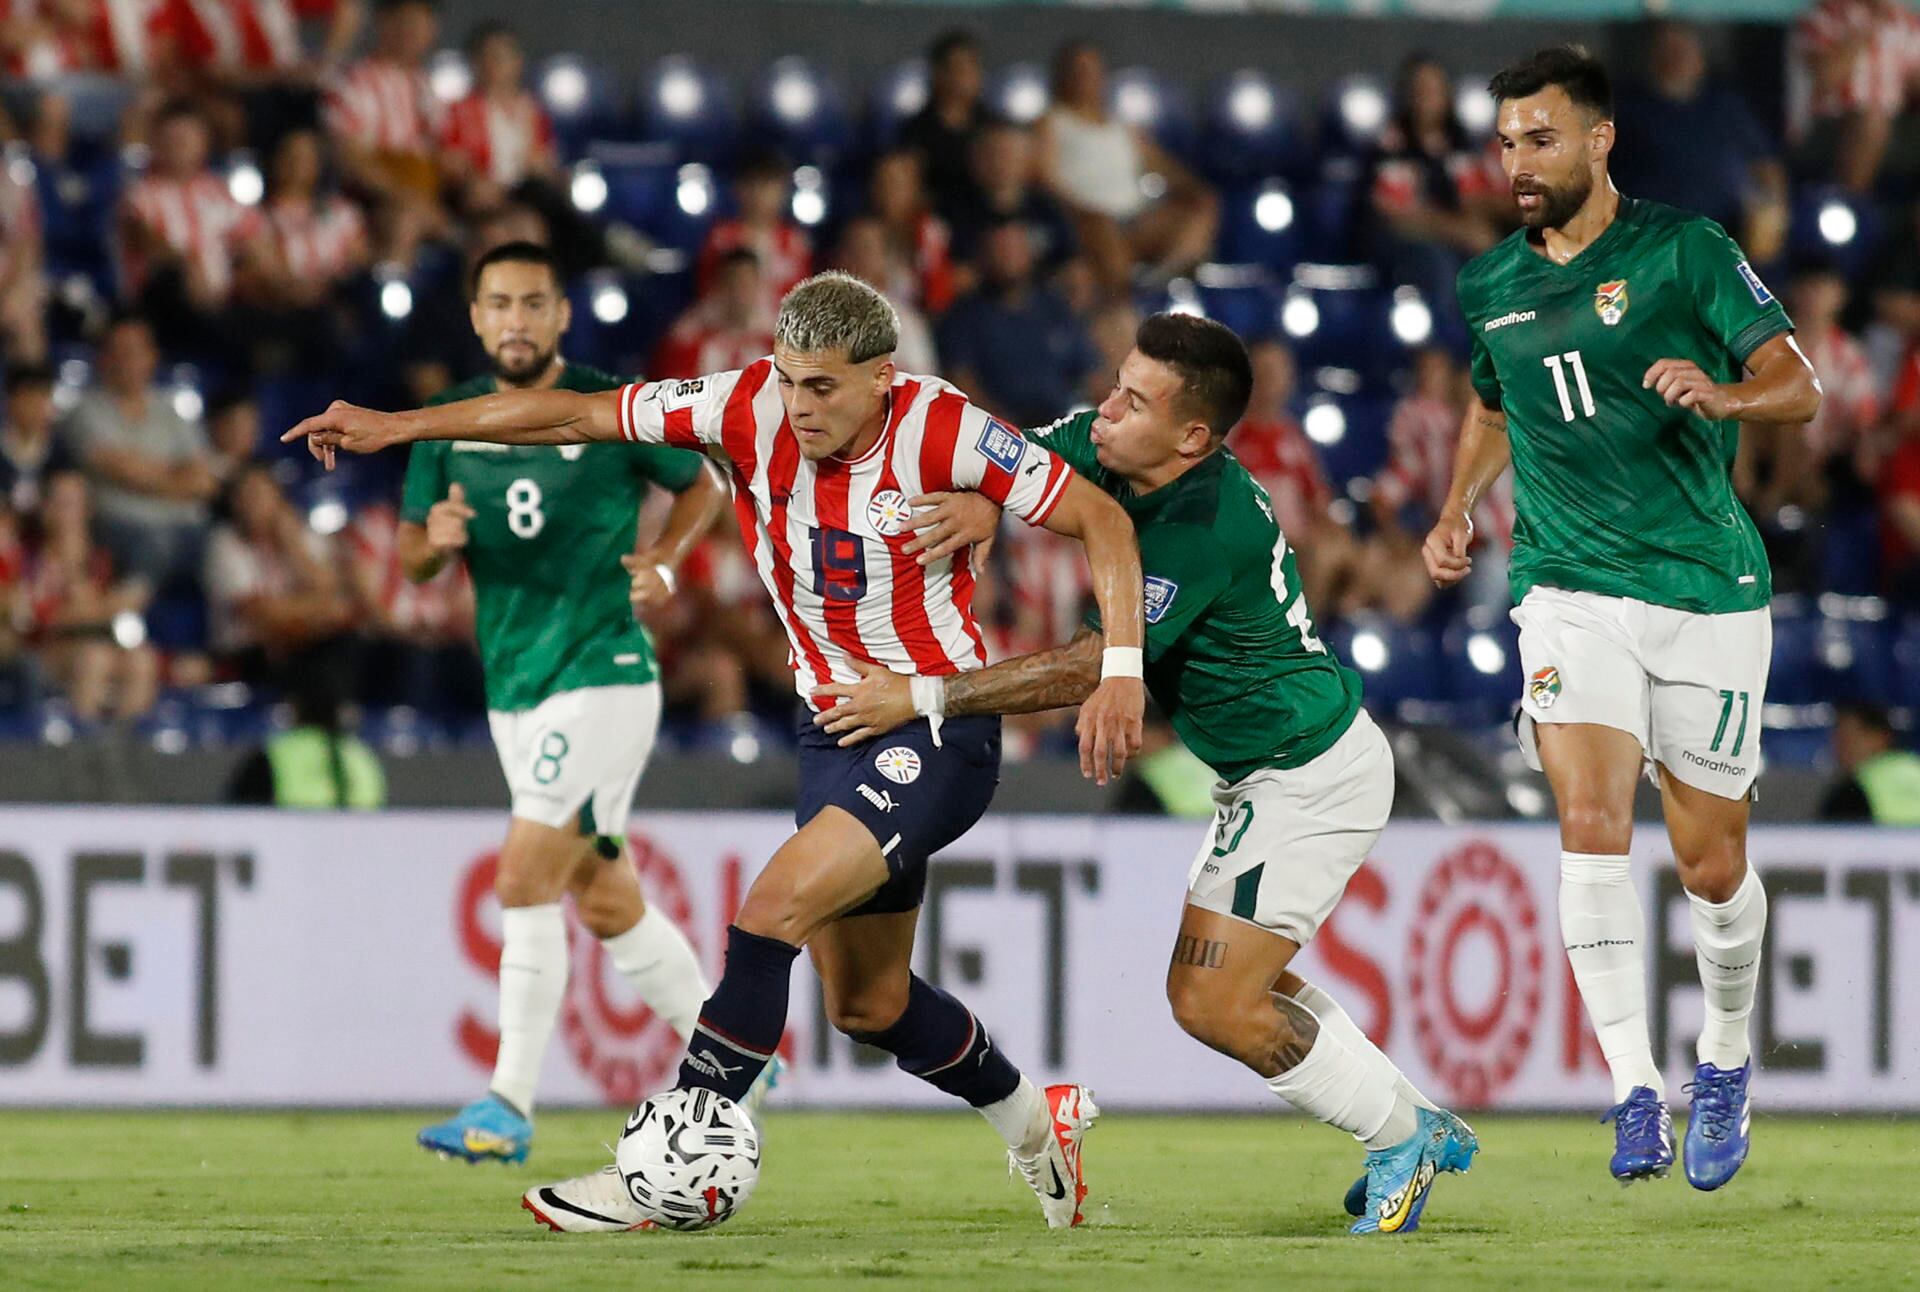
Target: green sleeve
[
  {"x": 1187, "y": 570},
  {"x": 1728, "y": 296},
  {"x": 671, "y": 469},
  {"x": 1071, "y": 438},
  {"x": 426, "y": 482}
]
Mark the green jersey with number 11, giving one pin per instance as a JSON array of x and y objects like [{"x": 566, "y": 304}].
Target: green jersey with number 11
[
  {"x": 550, "y": 525},
  {"x": 1232, "y": 658},
  {"x": 1615, "y": 492}
]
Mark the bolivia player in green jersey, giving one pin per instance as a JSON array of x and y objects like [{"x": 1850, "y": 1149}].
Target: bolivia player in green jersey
[
  {"x": 1617, "y": 347},
  {"x": 1306, "y": 778},
  {"x": 573, "y": 695}
]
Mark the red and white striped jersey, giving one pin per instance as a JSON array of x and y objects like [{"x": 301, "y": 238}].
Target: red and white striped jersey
[
  {"x": 826, "y": 537},
  {"x": 119, "y": 36},
  {"x": 240, "y": 35},
  {"x": 1421, "y": 441},
  {"x": 1850, "y": 405},
  {"x": 197, "y": 218},
  {"x": 384, "y": 106},
  {"x": 1279, "y": 455},
  {"x": 1885, "y": 59},
  {"x": 318, "y": 241},
  {"x": 503, "y": 142}
]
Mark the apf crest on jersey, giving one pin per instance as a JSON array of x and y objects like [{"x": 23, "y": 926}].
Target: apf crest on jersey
[
  {"x": 899, "y": 764},
  {"x": 1002, "y": 445},
  {"x": 1160, "y": 593},
  {"x": 888, "y": 512}
]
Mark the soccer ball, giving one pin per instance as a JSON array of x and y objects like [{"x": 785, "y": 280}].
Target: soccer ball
[{"x": 689, "y": 1158}]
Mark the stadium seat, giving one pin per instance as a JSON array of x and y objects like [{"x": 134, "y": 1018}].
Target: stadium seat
[
  {"x": 894, "y": 96},
  {"x": 1854, "y": 652},
  {"x": 1260, "y": 224},
  {"x": 1480, "y": 667},
  {"x": 1397, "y": 663},
  {"x": 690, "y": 107},
  {"x": 1850, "y": 552},
  {"x": 582, "y": 101},
  {"x": 1473, "y": 105},
  {"x": 1332, "y": 209},
  {"x": 1019, "y": 92},
  {"x": 1805, "y": 744},
  {"x": 798, "y": 111},
  {"x": 1830, "y": 225},
  {"x": 1352, "y": 114},
  {"x": 1793, "y": 674},
  {"x": 1143, "y": 98},
  {"x": 1252, "y": 131},
  {"x": 1905, "y": 691},
  {"x": 1244, "y": 297}
]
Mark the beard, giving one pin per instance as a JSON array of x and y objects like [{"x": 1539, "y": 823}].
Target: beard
[
  {"x": 520, "y": 373},
  {"x": 1557, "y": 205}
]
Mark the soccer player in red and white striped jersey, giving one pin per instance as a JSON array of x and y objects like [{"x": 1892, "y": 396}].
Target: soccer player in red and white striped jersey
[
  {"x": 830, "y": 451},
  {"x": 382, "y": 113}
]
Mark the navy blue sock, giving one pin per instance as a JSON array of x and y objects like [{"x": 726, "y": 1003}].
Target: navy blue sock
[
  {"x": 939, "y": 1041},
  {"x": 741, "y": 1023}
]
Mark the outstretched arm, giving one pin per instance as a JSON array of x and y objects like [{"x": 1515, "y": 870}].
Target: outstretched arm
[{"x": 510, "y": 417}]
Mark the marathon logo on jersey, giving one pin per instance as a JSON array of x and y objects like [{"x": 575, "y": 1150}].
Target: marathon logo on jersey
[
  {"x": 1543, "y": 688},
  {"x": 1002, "y": 445},
  {"x": 1508, "y": 320},
  {"x": 1160, "y": 594},
  {"x": 1761, "y": 295},
  {"x": 1610, "y": 301},
  {"x": 676, "y": 395}
]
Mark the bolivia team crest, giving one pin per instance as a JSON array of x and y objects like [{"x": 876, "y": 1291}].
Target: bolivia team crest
[
  {"x": 1610, "y": 301},
  {"x": 1543, "y": 688}
]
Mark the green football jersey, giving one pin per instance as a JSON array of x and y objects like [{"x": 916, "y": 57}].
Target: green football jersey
[
  {"x": 544, "y": 546},
  {"x": 1232, "y": 658},
  {"x": 1615, "y": 492}
]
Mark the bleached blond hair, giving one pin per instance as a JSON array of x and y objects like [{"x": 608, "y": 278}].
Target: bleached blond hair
[{"x": 837, "y": 312}]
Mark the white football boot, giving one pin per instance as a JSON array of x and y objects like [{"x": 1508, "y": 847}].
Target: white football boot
[
  {"x": 594, "y": 1203},
  {"x": 1055, "y": 1173}
]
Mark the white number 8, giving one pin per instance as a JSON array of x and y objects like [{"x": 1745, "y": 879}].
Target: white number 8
[{"x": 524, "y": 516}]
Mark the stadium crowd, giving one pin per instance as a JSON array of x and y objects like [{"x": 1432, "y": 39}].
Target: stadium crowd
[{"x": 215, "y": 215}]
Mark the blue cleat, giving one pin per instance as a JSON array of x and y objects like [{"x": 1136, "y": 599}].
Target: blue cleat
[
  {"x": 1462, "y": 1144},
  {"x": 1399, "y": 1178},
  {"x": 1642, "y": 1136},
  {"x": 1718, "y": 1128},
  {"x": 488, "y": 1129}
]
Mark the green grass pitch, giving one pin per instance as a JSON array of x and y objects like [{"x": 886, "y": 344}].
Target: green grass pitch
[{"x": 204, "y": 1201}]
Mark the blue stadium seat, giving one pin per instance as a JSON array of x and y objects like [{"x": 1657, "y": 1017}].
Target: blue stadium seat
[
  {"x": 797, "y": 110},
  {"x": 1480, "y": 667},
  {"x": 1906, "y": 664},
  {"x": 1247, "y": 302},
  {"x": 1332, "y": 209},
  {"x": 690, "y": 106},
  {"x": 1398, "y": 663},
  {"x": 894, "y": 96},
  {"x": 1850, "y": 552},
  {"x": 1473, "y": 106},
  {"x": 1019, "y": 92},
  {"x": 1142, "y": 97},
  {"x": 1831, "y": 225},
  {"x": 1253, "y": 130},
  {"x": 583, "y": 102},
  {"x": 1854, "y": 654},
  {"x": 1804, "y": 745},
  {"x": 1352, "y": 114},
  {"x": 1260, "y": 224},
  {"x": 1793, "y": 675}
]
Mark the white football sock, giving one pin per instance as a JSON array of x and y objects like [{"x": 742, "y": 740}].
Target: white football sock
[
  {"x": 1344, "y": 1090},
  {"x": 1604, "y": 932},
  {"x": 1336, "y": 1020},
  {"x": 1726, "y": 942},
  {"x": 656, "y": 958},
  {"x": 1023, "y": 1118},
  {"x": 533, "y": 981}
]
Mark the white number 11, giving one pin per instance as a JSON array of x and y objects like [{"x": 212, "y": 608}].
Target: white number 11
[{"x": 1572, "y": 359}]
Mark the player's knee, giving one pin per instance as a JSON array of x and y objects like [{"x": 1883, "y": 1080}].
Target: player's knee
[
  {"x": 608, "y": 915},
  {"x": 527, "y": 883},
  {"x": 869, "y": 1011},
  {"x": 1714, "y": 870},
  {"x": 784, "y": 914},
  {"x": 1589, "y": 825},
  {"x": 1202, "y": 1013}
]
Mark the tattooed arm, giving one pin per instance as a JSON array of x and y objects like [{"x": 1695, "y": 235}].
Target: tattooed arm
[{"x": 1048, "y": 679}]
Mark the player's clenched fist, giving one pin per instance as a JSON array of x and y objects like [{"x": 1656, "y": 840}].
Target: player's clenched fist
[
  {"x": 1445, "y": 550},
  {"x": 649, "y": 583},
  {"x": 1683, "y": 384},
  {"x": 447, "y": 522}
]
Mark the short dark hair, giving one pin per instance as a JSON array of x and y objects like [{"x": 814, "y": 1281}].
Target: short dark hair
[
  {"x": 737, "y": 256},
  {"x": 177, "y": 109},
  {"x": 762, "y": 164},
  {"x": 1873, "y": 717},
  {"x": 514, "y": 253},
  {"x": 1571, "y": 67},
  {"x": 487, "y": 31},
  {"x": 22, "y": 376},
  {"x": 953, "y": 40},
  {"x": 1215, "y": 374}
]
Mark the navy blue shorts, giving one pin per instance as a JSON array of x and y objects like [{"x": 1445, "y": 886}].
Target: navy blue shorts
[{"x": 915, "y": 798}]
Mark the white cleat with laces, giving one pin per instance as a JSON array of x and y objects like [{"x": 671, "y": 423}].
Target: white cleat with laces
[
  {"x": 594, "y": 1203},
  {"x": 1055, "y": 1173}
]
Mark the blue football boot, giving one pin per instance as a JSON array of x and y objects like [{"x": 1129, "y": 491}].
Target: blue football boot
[
  {"x": 1462, "y": 1144},
  {"x": 488, "y": 1129},
  {"x": 1642, "y": 1136},
  {"x": 1718, "y": 1128},
  {"x": 1399, "y": 1178}
]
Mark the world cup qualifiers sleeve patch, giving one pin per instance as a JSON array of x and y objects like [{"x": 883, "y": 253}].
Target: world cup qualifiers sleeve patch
[
  {"x": 1759, "y": 289},
  {"x": 1002, "y": 445},
  {"x": 1160, "y": 594},
  {"x": 675, "y": 395}
]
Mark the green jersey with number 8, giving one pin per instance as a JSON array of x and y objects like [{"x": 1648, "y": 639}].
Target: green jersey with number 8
[
  {"x": 1615, "y": 492},
  {"x": 1232, "y": 658},
  {"x": 544, "y": 546}
]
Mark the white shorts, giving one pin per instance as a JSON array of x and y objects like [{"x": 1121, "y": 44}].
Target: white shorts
[
  {"x": 574, "y": 760},
  {"x": 1688, "y": 687},
  {"x": 1285, "y": 843}
]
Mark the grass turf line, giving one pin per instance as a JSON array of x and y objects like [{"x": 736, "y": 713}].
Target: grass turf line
[{"x": 206, "y": 1201}]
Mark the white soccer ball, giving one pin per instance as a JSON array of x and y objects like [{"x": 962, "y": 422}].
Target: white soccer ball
[{"x": 689, "y": 1158}]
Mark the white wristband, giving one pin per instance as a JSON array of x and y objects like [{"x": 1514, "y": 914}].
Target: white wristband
[
  {"x": 666, "y": 576},
  {"x": 930, "y": 702},
  {"x": 1123, "y": 661}
]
